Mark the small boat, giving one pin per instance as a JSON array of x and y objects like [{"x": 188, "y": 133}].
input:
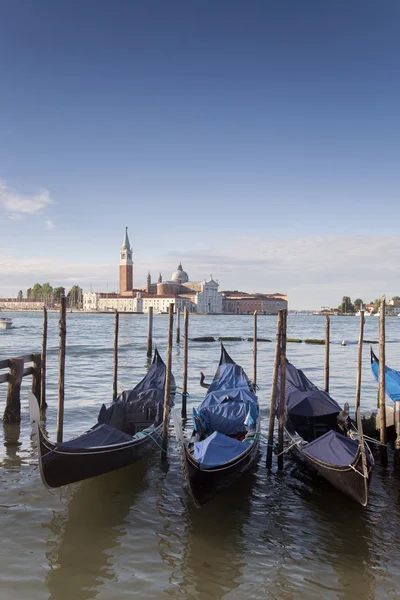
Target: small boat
[
  {"x": 225, "y": 439},
  {"x": 321, "y": 439},
  {"x": 5, "y": 322},
  {"x": 124, "y": 432},
  {"x": 392, "y": 378}
]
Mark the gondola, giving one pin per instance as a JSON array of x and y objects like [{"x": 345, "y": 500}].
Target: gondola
[
  {"x": 321, "y": 438},
  {"x": 225, "y": 438},
  {"x": 124, "y": 432},
  {"x": 392, "y": 378}
]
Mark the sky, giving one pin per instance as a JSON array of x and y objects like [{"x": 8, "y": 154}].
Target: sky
[{"x": 255, "y": 141}]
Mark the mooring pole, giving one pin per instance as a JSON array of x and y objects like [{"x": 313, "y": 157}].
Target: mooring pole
[
  {"x": 115, "y": 378},
  {"x": 396, "y": 457},
  {"x": 12, "y": 412},
  {"x": 274, "y": 390},
  {"x": 43, "y": 403},
  {"x": 150, "y": 332},
  {"x": 282, "y": 399},
  {"x": 327, "y": 332},
  {"x": 358, "y": 401},
  {"x": 359, "y": 361},
  {"x": 167, "y": 391},
  {"x": 382, "y": 383},
  {"x": 178, "y": 325},
  {"x": 61, "y": 369},
  {"x": 255, "y": 350},
  {"x": 185, "y": 360}
]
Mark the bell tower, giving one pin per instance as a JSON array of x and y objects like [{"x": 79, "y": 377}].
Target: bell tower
[{"x": 126, "y": 266}]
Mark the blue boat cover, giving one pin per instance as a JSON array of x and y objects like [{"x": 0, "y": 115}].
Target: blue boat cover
[
  {"x": 229, "y": 402},
  {"x": 303, "y": 398},
  {"x": 101, "y": 435},
  {"x": 333, "y": 448},
  {"x": 392, "y": 380},
  {"x": 217, "y": 449}
]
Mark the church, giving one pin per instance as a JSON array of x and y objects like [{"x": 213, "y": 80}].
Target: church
[{"x": 197, "y": 296}]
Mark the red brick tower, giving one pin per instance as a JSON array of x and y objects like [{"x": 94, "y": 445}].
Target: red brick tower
[{"x": 126, "y": 266}]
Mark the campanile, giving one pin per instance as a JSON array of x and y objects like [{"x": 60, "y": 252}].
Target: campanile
[{"x": 126, "y": 266}]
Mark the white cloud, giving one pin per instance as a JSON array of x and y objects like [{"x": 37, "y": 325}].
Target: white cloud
[
  {"x": 50, "y": 224},
  {"x": 17, "y": 205}
]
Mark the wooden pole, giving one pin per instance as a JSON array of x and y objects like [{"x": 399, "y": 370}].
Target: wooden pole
[
  {"x": 359, "y": 361},
  {"x": 327, "y": 332},
  {"x": 178, "y": 325},
  {"x": 61, "y": 369},
  {"x": 274, "y": 390},
  {"x": 358, "y": 402},
  {"x": 255, "y": 350},
  {"x": 396, "y": 457},
  {"x": 115, "y": 378},
  {"x": 43, "y": 404},
  {"x": 382, "y": 386},
  {"x": 12, "y": 412},
  {"x": 37, "y": 376},
  {"x": 282, "y": 399},
  {"x": 185, "y": 360},
  {"x": 150, "y": 332},
  {"x": 167, "y": 391}
]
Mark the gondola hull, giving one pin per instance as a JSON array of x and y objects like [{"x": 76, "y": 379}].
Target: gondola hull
[
  {"x": 204, "y": 484},
  {"x": 60, "y": 468},
  {"x": 350, "y": 479}
]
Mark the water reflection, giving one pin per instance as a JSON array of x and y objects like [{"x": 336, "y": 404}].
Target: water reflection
[
  {"x": 204, "y": 548},
  {"x": 11, "y": 445},
  {"x": 87, "y": 531}
]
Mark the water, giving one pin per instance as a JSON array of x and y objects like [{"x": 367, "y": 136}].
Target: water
[{"x": 135, "y": 532}]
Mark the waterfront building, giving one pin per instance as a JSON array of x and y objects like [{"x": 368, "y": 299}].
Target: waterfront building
[{"x": 243, "y": 303}]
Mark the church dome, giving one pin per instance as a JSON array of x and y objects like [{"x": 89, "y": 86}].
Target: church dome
[{"x": 180, "y": 275}]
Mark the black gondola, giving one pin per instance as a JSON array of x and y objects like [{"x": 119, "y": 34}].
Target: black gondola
[
  {"x": 322, "y": 440},
  {"x": 225, "y": 440},
  {"x": 124, "y": 432}
]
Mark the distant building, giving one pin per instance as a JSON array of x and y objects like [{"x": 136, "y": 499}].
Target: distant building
[
  {"x": 196, "y": 296},
  {"x": 240, "y": 303}
]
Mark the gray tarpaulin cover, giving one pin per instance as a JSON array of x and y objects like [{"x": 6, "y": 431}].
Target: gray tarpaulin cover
[{"x": 303, "y": 398}]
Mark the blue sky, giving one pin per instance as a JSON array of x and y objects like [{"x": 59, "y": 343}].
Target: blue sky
[{"x": 257, "y": 141}]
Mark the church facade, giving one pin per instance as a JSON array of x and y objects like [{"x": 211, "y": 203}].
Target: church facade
[{"x": 196, "y": 296}]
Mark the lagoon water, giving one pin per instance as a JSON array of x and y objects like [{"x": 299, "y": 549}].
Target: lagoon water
[{"x": 135, "y": 533}]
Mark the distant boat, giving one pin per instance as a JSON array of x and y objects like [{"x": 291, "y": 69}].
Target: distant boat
[{"x": 5, "y": 322}]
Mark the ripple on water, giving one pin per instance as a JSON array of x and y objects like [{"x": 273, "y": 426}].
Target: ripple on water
[{"x": 136, "y": 533}]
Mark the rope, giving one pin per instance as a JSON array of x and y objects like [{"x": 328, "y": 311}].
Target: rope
[
  {"x": 362, "y": 474},
  {"x": 146, "y": 433},
  {"x": 288, "y": 448}
]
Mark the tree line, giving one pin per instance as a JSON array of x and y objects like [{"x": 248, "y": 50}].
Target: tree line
[
  {"x": 347, "y": 306},
  {"x": 47, "y": 293}
]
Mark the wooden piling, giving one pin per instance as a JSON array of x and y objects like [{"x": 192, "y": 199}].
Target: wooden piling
[
  {"x": 61, "y": 369},
  {"x": 37, "y": 377},
  {"x": 327, "y": 335},
  {"x": 382, "y": 384},
  {"x": 178, "y": 325},
  {"x": 167, "y": 391},
  {"x": 359, "y": 361},
  {"x": 282, "y": 399},
  {"x": 396, "y": 457},
  {"x": 185, "y": 360},
  {"x": 255, "y": 350},
  {"x": 12, "y": 412},
  {"x": 273, "y": 392},
  {"x": 43, "y": 403},
  {"x": 115, "y": 378},
  {"x": 150, "y": 332}
]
